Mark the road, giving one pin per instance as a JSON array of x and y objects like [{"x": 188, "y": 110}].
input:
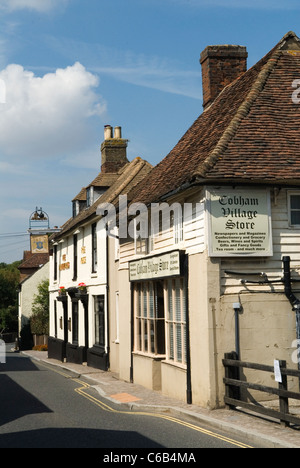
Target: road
[{"x": 42, "y": 406}]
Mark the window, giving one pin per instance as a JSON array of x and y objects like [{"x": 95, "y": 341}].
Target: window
[
  {"x": 75, "y": 255},
  {"x": 75, "y": 322},
  {"x": 55, "y": 263},
  {"x": 99, "y": 321},
  {"x": 140, "y": 241},
  {"x": 149, "y": 318},
  {"x": 176, "y": 320},
  {"x": 177, "y": 226},
  {"x": 94, "y": 248},
  {"x": 88, "y": 197},
  {"x": 75, "y": 208},
  {"x": 294, "y": 209}
]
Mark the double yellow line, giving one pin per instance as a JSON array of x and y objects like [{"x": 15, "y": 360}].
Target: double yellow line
[
  {"x": 84, "y": 386},
  {"x": 81, "y": 391}
]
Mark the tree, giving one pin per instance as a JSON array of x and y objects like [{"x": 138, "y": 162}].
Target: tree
[
  {"x": 39, "y": 320},
  {"x": 9, "y": 280}
]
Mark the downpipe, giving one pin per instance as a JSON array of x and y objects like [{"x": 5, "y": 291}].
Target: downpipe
[{"x": 294, "y": 301}]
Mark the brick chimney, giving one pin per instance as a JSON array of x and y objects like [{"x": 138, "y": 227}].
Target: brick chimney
[
  {"x": 113, "y": 150},
  {"x": 221, "y": 65}
]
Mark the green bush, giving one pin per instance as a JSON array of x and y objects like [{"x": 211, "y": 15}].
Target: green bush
[{"x": 39, "y": 320}]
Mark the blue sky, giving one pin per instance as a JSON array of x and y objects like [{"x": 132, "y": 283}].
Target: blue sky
[{"x": 72, "y": 66}]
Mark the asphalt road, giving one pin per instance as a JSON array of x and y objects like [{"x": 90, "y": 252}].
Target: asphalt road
[{"x": 42, "y": 406}]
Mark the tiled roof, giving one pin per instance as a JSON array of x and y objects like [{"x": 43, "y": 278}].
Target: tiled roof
[
  {"x": 34, "y": 261},
  {"x": 104, "y": 179},
  {"x": 127, "y": 177},
  {"x": 81, "y": 195},
  {"x": 250, "y": 134}
]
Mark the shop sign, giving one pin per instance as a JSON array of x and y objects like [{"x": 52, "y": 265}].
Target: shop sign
[
  {"x": 159, "y": 266},
  {"x": 239, "y": 222}
]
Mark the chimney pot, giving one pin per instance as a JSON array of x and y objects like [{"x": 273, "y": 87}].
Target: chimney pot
[
  {"x": 118, "y": 132},
  {"x": 107, "y": 132},
  {"x": 221, "y": 65}
]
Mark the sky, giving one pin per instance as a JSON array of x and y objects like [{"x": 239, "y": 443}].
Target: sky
[{"x": 70, "y": 67}]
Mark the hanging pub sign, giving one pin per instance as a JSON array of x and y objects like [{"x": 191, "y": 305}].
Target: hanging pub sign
[
  {"x": 239, "y": 222},
  {"x": 159, "y": 266},
  {"x": 39, "y": 244}
]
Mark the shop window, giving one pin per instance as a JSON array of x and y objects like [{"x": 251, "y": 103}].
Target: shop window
[
  {"x": 176, "y": 320},
  {"x": 149, "y": 318}
]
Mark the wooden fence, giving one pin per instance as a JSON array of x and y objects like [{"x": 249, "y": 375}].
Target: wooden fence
[{"x": 234, "y": 385}]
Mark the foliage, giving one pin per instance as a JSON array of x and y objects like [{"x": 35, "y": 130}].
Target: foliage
[
  {"x": 9, "y": 280},
  {"x": 39, "y": 320},
  {"x": 9, "y": 319},
  {"x": 42, "y": 347}
]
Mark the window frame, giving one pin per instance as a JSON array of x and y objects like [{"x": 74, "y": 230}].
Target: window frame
[
  {"x": 176, "y": 320},
  {"x": 99, "y": 321},
  {"x": 75, "y": 257},
  {"x": 75, "y": 322},
  {"x": 94, "y": 248},
  {"x": 147, "y": 320},
  {"x": 290, "y": 195}
]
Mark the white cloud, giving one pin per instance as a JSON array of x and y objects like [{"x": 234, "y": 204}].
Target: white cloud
[
  {"x": 47, "y": 115},
  {"x": 41, "y": 6}
]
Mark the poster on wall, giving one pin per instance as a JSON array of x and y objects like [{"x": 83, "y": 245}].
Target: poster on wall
[{"x": 239, "y": 222}]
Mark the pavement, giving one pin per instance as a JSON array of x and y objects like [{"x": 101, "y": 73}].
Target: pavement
[{"x": 252, "y": 428}]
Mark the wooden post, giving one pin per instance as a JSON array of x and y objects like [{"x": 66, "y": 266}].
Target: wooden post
[
  {"x": 283, "y": 401},
  {"x": 232, "y": 373}
]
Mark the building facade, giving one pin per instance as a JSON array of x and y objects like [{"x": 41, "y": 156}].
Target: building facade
[
  {"x": 83, "y": 283},
  {"x": 208, "y": 260},
  {"x": 216, "y": 277}
]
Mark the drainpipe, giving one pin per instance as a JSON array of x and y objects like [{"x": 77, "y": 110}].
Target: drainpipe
[
  {"x": 237, "y": 309},
  {"x": 295, "y": 302},
  {"x": 189, "y": 394}
]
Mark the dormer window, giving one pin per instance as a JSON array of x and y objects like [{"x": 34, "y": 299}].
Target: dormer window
[
  {"x": 75, "y": 208},
  {"x": 89, "y": 196}
]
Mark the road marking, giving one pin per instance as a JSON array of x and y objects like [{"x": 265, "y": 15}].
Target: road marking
[
  {"x": 81, "y": 391},
  {"x": 84, "y": 386}
]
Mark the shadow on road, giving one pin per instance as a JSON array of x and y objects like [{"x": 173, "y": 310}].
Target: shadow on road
[
  {"x": 75, "y": 438},
  {"x": 16, "y": 402},
  {"x": 17, "y": 363}
]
